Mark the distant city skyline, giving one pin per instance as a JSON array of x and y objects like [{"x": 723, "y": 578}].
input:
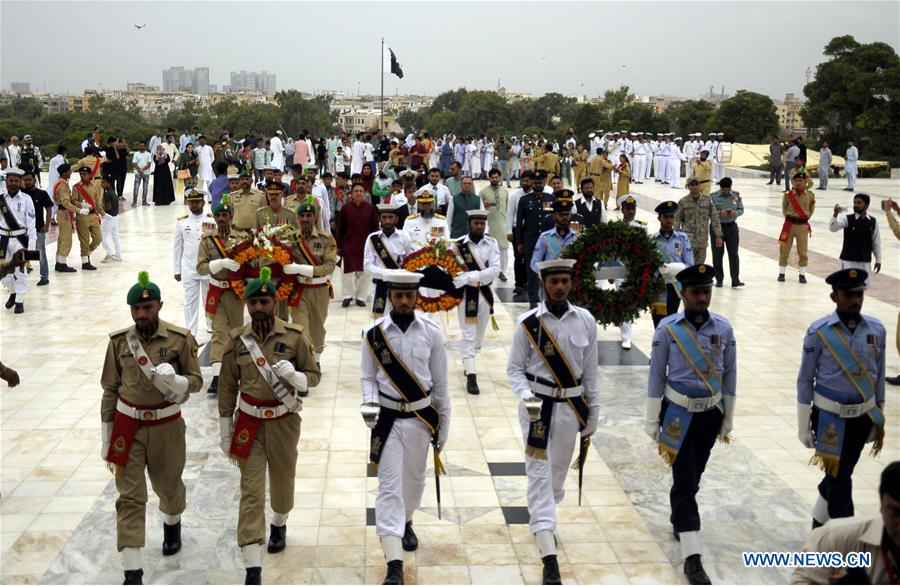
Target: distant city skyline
[{"x": 738, "y": 45}]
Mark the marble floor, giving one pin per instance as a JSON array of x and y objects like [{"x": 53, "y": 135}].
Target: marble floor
[{"x": 57, "y": 498}]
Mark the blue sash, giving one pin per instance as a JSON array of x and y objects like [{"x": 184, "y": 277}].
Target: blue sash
[
  {"x": 553, "y": 246},
  {"x": 678, "y": 419},
  {"x": 831, "y": 428},
  {"x": 661, "y": 247}
]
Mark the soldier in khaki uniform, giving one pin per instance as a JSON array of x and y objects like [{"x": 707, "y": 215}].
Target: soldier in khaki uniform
[
  {"x": 93, "y": 161},
  {"x": 798, "y": 206},
  {"x": 246, "y": 203},
  {"x": 148, "y": 372},
  {"x": 87, "y": 197},
  {"x": 224, "y": 308},
  {"x": 269, "y": 361},
  {"x": 579, "y": 159},
  {"x": 600, "y": 170},
  {"x": 275, "y": 213},
  {"x": 702, "y": 170},
  {"x": 315, "y": 256},
  {"x": 65, "y": 218}
]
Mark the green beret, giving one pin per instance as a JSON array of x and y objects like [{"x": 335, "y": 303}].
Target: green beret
[
  {"x": 143, "y": 290},
  {"x": 261, "y": 287},
  {"x": 224, "y": 205},
  {"x": 308, "y": 205}
]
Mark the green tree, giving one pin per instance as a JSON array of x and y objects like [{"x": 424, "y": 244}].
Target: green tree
[
  {"x": 584, "y": 118},
  {"x": 411, "y": 121},
  {"x": 689, "y": 116},
  {"x": 746, "y": 117},
  {"x": 615, "y": 100},
  {"x": 298, "y": 113},
  {"x": 640, "y": 118},
  {"x": 480, "y": 110},
  {"x": 542, "y": 111},
  {"x": 856, "y": 93},
  {"x": 450, "y": 100},
  {"x": 441, "y": 123}
]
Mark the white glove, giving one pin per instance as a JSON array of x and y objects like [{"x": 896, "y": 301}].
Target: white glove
[
  {"x": 804, "y": 429},
  {"x": 306, "y": 271},
  {"x": 728, "y": 421},
  {"x": 442, "y": 434},
  {"x": 220, "y": 264},
  {"x": 226, "y": 430},
  {"x": 651, "y": 420},
  {"x": 460, "y": 281},
  {"x": 292, "y": 269},
  {"x": 591, "y": 427},
  {"x": 533, "y": 414},
  {"x": 106, "y": 429},
  {"x": 285, "y": 371},
  {"x": 370, "y": 413},
  {"x": 84, "y": 211},
  {"x": 177, "y": 384},
  {"x": 670, "y": 269}
]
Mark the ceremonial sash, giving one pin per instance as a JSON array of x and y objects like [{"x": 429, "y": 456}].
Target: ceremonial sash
[
  {"x": 146, "y": 365},
  {"x": 545, "y": 345},
  {"x": 310, "y": 259},
  {"x": 12, "y": 224},
  {"x": 86, "y": 196},
  {"x": 472, "y": 292},
  {"x": 831, "y": 427},
  {"x": 245, "y": 429},
  {"x": 786, "y": 227},
  {"x": 124, "y": 430},
  {"x": 678, "y": 419},
  {"x": 407, "y": 386},
  {"x": 281, "y": 391},
  {"x": 381, "y": 288},
  {"x": 552, "y": 245},
  {"x": 661, "y": 305},
  {"x": 214, "y": 292},
  {"x": 96, "y": 167}
]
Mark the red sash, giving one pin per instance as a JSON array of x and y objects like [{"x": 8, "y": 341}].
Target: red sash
[
  {"x": 124, "y": 430},
  {"x": 339, "y": 194},
  {"x": 246, "y": 427},
  {"x": 800, "y": 214},
  {"x": 85, "y": 195},
  {"x": 96, "y": 167},
  {"x": 214, "y": 293},
  {"x": 299, "y": 287}
]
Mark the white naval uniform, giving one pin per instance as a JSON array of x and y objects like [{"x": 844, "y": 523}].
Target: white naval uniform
[
  {"x": 487, "y": 254},
  {"x": 576, "y": 335},
  {"x": 595, "y": 144},
  {"x": 640, "y": 161},
  {"x": 401, "y": 469},
  {"x": 719, "y": 165},
  {"x": 22, "y": 208},
  {"x": 398, "y": 244},
  {"x": 189, "y": 231},
  {"x": 626, "y": 327},
  {"x": 423, "y": 230},
  {"x": 654, "y": 156},
  {"x": 440, "y": 192},
  {"x": 663, "y": 154},
  {"x": 675, "y": 159}
]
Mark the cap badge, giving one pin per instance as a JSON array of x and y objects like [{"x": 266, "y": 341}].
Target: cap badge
[
  {"x": 852, "y": 273},
  {"x": 701, "y": 269}
]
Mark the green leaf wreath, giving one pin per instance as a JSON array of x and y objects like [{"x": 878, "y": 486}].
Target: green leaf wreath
[{"x": 615, "y": 241}]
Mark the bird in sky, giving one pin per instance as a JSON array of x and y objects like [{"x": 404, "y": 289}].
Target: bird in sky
[{"x": 139, "y": 26}]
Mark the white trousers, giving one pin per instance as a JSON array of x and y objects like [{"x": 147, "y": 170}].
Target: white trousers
[
  {"x": 648, "y": 162},
  {"x": 850, "y": 172},
  {"x": 546, "y": 478},
  {"x": 504, "y": 259},
  {"x": 17, "y": 281},
  {"x": 674, "y": 172},
  {"x": 472, "y": 333},
  {"x": 401, "y": 476},
  {"x": 664, "y": 169},
  {"x": 639, "y": 163},
  {"x": 625, "y": 331},
  {"x": 109, "y": 229},
  {"x": 355, "y": 285},
  {"x": 194, "y": 302}
]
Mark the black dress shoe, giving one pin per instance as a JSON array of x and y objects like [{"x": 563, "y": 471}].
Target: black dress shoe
[
  {"x": 134, "y": 577},
  {"x": 346, "y": 302},
  {"x": 277, "y": 538},
  {"x": 517, "y": 290},
  {"x": 64, "y": 268},
  {"x": 675, "y": 533},
  {"x": 360, "y": 303},
  {"x": 171, "y": 538},
  {"x": 781, "y": 278},
  {"x": 20, "y": 308},
  {"x": 11, "y": 301},
  {"x": 738, "y": 284},
  {"x": 86, "y": 266},
  {"x": 410, "y": 541},
  {"x": 394, "y": 573},
  {"x": 551, "y": 570},
  {"x": 816, "y": 524},
  {"x": 472, "y": 384},
  {"x": 532, "y": 304},
  {"x": 43, "y": 282},
  {"x": 213, "y": 387},
  {"x": 803, "y": 279},
  {"x": 254, "y": 575},
  {"x": 502, "y": 277},
  {"x": 892, "y": 380},
  {"x": 693, "y": 570},
  {"x": 718, "y": 284}
]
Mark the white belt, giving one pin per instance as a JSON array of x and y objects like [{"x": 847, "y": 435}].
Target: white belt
[
  {"x": 403, "y": 406},
  {"x": 147, "y": 414},
  {"x": 842, "y": 410},
  {"x": 17, "y": 232},
  {"x": 273, "y": 412},
  {"x": 312, "y": 280},
  {"x": 556, "y": 392},
  {"x": 692, "y": 404},
  {"x": 220, "y": 284}
]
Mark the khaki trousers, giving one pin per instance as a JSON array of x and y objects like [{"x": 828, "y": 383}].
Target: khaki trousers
[
  {"x": 312, "y": 313},
  {"x": 230, "y": 315},
  {"x": 275, "y": 447},
  {"x": 160, "y": 449},
  {"x": 800, "y": 233},
  {"x": 64, "y": 242},
  {"x": 89, "y": 236}
]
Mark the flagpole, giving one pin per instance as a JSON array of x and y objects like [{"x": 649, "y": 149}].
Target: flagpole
[{"x": 382, "y": 84}]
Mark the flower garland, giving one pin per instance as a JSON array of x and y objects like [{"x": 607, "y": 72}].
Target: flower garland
[
  {"x": 615, "y": 241},
  {"x": 263, "y": 243},
  {"x": 436, "y": 254}
]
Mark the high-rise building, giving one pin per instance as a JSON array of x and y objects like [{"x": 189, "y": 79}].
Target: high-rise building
[
  {"x": 253, "y": 81},
  {"x": 20, "y": 87},
  {"x": 179, "y": 79},
  {"x": 201, "y": 81}
]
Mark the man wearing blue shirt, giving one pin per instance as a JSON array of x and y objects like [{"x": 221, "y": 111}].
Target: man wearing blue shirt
[
  {"x": 840, "y": 392},
  {"x": 690, "y": 402},
  {"x": 550, "y": 244},
  {"x": 675, "y": 248}
]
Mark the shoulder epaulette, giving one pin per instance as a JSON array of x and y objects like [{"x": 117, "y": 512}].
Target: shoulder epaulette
[
  {"x": 209, "y": 215},
  {"x": 294, "y": 326},
  {"x": 235, "y": 332},
  {"x": 412, "y": 216},
  {"x": 119, "y": 332},
  {"x": 181, "y": 217},
  {"x": 184, "y": 332},
  {"x": 440, "y": 216}
]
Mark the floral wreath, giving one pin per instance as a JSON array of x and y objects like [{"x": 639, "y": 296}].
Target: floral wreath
[
  {"x": 611, "y": 242},
  {"x": 436, "y": 254},
  {"x": 263, "y": 243}
]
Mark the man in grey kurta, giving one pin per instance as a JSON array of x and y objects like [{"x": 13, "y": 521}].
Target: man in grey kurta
[
  {"x": 776, "y": 165},
  {"x": 824, "y": 164},
  {"x": 495, "y": 198}
]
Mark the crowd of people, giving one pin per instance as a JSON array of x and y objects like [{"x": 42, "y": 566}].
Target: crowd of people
[{"x": 365, "y": 204}]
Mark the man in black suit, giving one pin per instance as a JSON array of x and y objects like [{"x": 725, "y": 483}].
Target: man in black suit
[{"x": 591, "y": 211}]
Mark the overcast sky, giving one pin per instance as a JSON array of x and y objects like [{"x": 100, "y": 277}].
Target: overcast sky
[{"x": 674, "y": 48}]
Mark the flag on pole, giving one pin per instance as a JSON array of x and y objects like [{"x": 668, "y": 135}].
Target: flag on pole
[{"x": 391, "y": 65}]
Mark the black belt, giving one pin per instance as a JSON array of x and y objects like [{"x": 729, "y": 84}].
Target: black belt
[
  {"x": 543, "y": 381},
  {"x": 794, "y": 220},
  {"x": 705, "y": 181}
]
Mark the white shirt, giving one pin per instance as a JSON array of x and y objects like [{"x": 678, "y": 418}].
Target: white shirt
[
  {"x": 55, "y": 162},
  {"x": 441, "y": 193},
  {"x": 154, "y": 141},
  {"x": 321, "y": 192},
  {"x": 576, "y": 335},
  {"x": 421, "y": 349},
  {"x": 840, "y": 223},
  {"x": 189, "y": 231},
  {"x": 22, "y": 207},
  {"x": 512, "y": 208},
  {"x": 398, "y": 244},
  {"x": 421, "y": 231},
  {"x": 487, "y": 253},
  {"x": 277, "y": 152}
]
